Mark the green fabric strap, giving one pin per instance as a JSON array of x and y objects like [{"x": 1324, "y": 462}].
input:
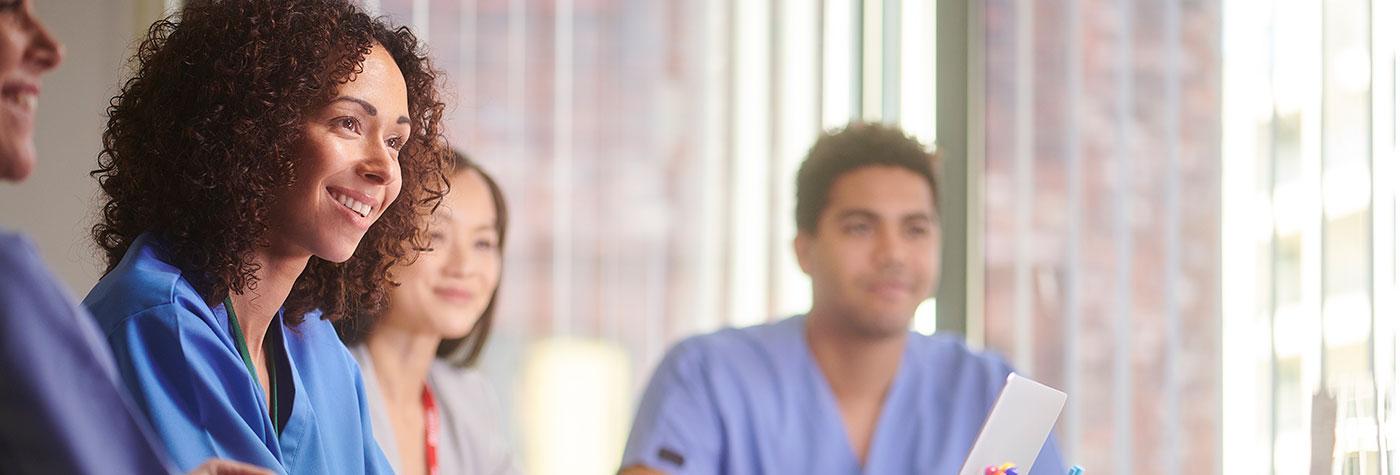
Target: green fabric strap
[{"x": 242, "y": 343}]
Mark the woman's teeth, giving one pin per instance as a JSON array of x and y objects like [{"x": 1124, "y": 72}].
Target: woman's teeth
[{"x": 359, "y": 208}]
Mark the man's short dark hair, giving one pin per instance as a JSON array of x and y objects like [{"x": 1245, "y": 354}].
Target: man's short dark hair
[{"x": 858, "y": 145}]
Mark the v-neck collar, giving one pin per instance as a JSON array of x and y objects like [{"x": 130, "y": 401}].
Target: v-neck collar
[
  {"x": 831, "y": 410},
  {"x": 285, "y": 444},
  {"x": 272, "y": 359},
  {"x": 299, "y": 420}
]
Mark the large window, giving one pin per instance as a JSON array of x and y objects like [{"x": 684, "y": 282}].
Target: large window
[
  {"x": 1310, "y": 236},
  {"x": 1099, "y": 221}
]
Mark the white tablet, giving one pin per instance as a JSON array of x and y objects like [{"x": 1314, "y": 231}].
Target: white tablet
[{"x": 1017, "y": 428}]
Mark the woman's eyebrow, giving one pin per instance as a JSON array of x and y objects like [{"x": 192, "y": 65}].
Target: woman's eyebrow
[{"x": 369, "y": 108}]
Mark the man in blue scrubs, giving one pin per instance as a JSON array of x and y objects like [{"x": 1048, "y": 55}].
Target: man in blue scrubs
[{"x": 846, "y": 388}]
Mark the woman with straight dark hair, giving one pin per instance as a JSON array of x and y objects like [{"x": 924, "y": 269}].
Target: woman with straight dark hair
[{"x": 432, "y": 411}]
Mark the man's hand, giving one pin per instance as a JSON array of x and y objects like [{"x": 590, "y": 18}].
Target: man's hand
[
  {"x": 639, "y": 470},
  {"x": 228, "y": 467}
]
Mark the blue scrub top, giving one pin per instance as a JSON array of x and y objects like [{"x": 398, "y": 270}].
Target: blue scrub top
[
  {"x": 179, "y": 361},
  {"x": 62, "y": 408},
  {"x": 753, "y": 401}
]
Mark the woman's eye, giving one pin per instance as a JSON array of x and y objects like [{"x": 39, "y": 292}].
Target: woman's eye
[
  {"x": 486, "y": 245},
  {"x": 395, "y": 143},
  {"x": 348, "y": 123}
]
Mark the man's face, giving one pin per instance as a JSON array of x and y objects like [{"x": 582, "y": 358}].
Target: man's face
[{"x": 874, "y": 255}]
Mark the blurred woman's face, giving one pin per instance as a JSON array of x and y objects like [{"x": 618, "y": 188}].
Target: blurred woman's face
[
  {"x": 447, "y": 289},
  {"x": 347, "y": 169},
  {"x": 27, "y": 51}
]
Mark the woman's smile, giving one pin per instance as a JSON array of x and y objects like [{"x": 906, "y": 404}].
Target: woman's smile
[{"x": 358, "y": 204}]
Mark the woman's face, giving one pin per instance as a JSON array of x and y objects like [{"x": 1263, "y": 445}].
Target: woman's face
[
  {"x": 347, "y": 169},
  {"x": 27, "y": 51},
  {"x": 446, "y": 290}
]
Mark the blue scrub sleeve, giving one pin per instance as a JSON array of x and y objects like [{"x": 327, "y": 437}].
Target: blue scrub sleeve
[
  {"x": 183, "y": 377},
  {"x": 61, "y": 407},
  {"x": 677, "y": 429}
]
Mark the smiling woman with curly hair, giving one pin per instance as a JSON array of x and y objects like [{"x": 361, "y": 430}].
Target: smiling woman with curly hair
[{"x": 264, "y": 168}]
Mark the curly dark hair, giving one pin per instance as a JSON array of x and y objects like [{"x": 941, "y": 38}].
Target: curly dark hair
[
  {"x": 858, "y": 145},
  {"x": 200, "y": 140}
]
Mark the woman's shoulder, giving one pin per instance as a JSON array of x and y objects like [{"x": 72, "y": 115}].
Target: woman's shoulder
[
  {"x": 466, "y": 395},
  {"x": 447, "y": 378},
  {"x": 143, "y": 281},
  {"x": 467, "y": 399}
]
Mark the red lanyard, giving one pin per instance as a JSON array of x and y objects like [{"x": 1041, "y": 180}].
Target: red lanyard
[{"x": 430, "y": 432}]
